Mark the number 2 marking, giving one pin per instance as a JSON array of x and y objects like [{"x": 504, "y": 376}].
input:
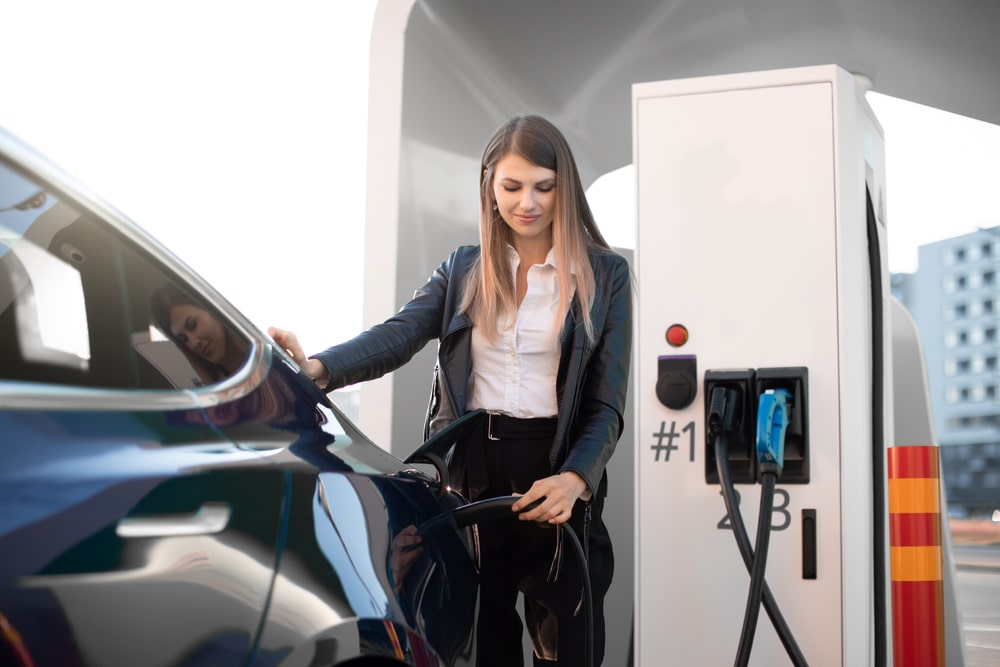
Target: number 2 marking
[{"x": 780, "y": 508}]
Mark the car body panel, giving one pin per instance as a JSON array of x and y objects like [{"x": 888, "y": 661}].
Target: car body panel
[{"x": 157, "y": 508}]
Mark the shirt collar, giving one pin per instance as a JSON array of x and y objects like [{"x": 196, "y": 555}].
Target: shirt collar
[{"x": 550, "y": 258}]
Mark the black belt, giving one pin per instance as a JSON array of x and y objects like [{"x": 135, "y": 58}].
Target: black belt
[{"x": 500, "y": 427}]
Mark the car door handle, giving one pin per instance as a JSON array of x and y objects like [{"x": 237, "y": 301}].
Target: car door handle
[{"x": 209, "y": 519}]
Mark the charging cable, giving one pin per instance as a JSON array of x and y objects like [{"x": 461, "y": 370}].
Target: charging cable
[
  {"x": 722, "y": 420},
  {"x": 772, "y": 422},
  {"x": 499, "y": 508}
]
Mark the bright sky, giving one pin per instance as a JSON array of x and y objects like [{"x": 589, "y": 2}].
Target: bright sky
[
  {"x": 235, "y": 132},
  {"x": 942, "y": 173}
]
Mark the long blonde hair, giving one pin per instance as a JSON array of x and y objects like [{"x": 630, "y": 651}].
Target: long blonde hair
[{"x": 490, "y": 290}]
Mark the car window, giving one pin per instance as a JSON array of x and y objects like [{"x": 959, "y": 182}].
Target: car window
[{"x": 82, "y": 305}]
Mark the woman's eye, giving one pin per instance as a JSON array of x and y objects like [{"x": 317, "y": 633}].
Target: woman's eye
[
  {"x": 510, "y": 188},
  {"x": 547, "y": 188}
]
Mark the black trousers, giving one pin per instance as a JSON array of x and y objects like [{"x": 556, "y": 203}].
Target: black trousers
[{"x": 520, "y": 557}]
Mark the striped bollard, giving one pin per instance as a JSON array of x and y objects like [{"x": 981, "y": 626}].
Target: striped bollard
[{"x": 915, "y": 557}]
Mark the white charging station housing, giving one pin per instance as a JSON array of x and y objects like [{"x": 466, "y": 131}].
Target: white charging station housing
[{"x": 751, "y": 232}]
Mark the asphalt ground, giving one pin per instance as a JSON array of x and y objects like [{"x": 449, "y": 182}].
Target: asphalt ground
[{"x": 977, "y": 590}]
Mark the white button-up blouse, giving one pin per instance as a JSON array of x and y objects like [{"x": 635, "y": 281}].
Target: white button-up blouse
[{"x": 516, "y": 374}]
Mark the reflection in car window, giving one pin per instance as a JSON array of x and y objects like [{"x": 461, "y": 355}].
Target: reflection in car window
[
  {"x": 49, "y": 313},
  {"x": 212, "y": 349},
  {"x": 81, "y": 305}
]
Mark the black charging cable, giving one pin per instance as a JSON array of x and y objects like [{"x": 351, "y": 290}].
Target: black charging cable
[
  {"x": 721, "y": 422},
  {"x": 491, "y": 509},
  {"x": 755, "y": 594}
]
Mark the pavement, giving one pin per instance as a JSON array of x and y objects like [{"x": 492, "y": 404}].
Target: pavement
[{"x": 976, "y": 556}]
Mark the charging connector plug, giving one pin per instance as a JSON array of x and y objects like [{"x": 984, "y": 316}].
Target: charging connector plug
[
  {"x": 773, "y": 410},
  {"x": 721, "y": 410}
]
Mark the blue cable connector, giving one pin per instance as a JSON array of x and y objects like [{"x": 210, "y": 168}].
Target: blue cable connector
[{"x": 772, "y": 422}]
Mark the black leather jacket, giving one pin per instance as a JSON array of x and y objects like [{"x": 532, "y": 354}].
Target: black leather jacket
[{"x": 592, "y": 379}]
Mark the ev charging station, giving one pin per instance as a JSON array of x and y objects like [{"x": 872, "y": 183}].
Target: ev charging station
[{"x": 761, "y": 270}]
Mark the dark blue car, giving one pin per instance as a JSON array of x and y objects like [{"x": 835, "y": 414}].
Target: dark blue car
[{"x": 173, "y": 490}]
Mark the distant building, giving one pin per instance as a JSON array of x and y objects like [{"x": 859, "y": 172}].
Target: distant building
[{"x": 954, "y": 298}]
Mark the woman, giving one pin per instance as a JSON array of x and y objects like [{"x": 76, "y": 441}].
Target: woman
[{"x": 534, "y": 327}]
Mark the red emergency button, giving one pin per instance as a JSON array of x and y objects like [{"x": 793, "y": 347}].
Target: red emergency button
[{"x": 677, "y": 334}]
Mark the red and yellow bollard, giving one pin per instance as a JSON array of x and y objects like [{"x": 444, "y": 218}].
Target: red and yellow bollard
[{"x": 915, "y": 556}]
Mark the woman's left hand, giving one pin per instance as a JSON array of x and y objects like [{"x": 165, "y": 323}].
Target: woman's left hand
[{"x": 558, "y": 494}]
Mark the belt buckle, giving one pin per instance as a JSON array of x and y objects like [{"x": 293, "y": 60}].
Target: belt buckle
[{"x": 489, "y": 427}]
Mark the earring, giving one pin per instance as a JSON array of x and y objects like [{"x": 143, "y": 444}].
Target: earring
[{"x": 494, "y": 206}]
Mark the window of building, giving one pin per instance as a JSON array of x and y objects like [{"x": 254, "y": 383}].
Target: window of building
[
  {"x": 987, "y": 306},
  {"x": 960, "y": 255},
  {"x": 961, "y": 310},
  {"x": 990, "y": 334},
  {"x": 990, "y": 363},
  {"x": 959, "y": 423},
  {"x": 983, "y": 421},
  {"x": 948, "y": 257},
  {"x": 951, "y": 395},
  {"x": 963, "y": 366},
  {"x": 965, "y": 479},
  {"x": 978, "y": 364},
  {"x": 989, "y": 278}
]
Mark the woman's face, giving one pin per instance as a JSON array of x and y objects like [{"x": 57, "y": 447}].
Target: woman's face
[
  {"x": 526, "y": 196},
  {"x": 199, "y": 332}
]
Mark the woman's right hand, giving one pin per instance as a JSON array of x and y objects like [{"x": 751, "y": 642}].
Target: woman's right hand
[{"x": 288, "y": 342}]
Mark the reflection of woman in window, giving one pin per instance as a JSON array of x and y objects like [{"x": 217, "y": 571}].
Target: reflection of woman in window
[{"x": 214, "y": 352}]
